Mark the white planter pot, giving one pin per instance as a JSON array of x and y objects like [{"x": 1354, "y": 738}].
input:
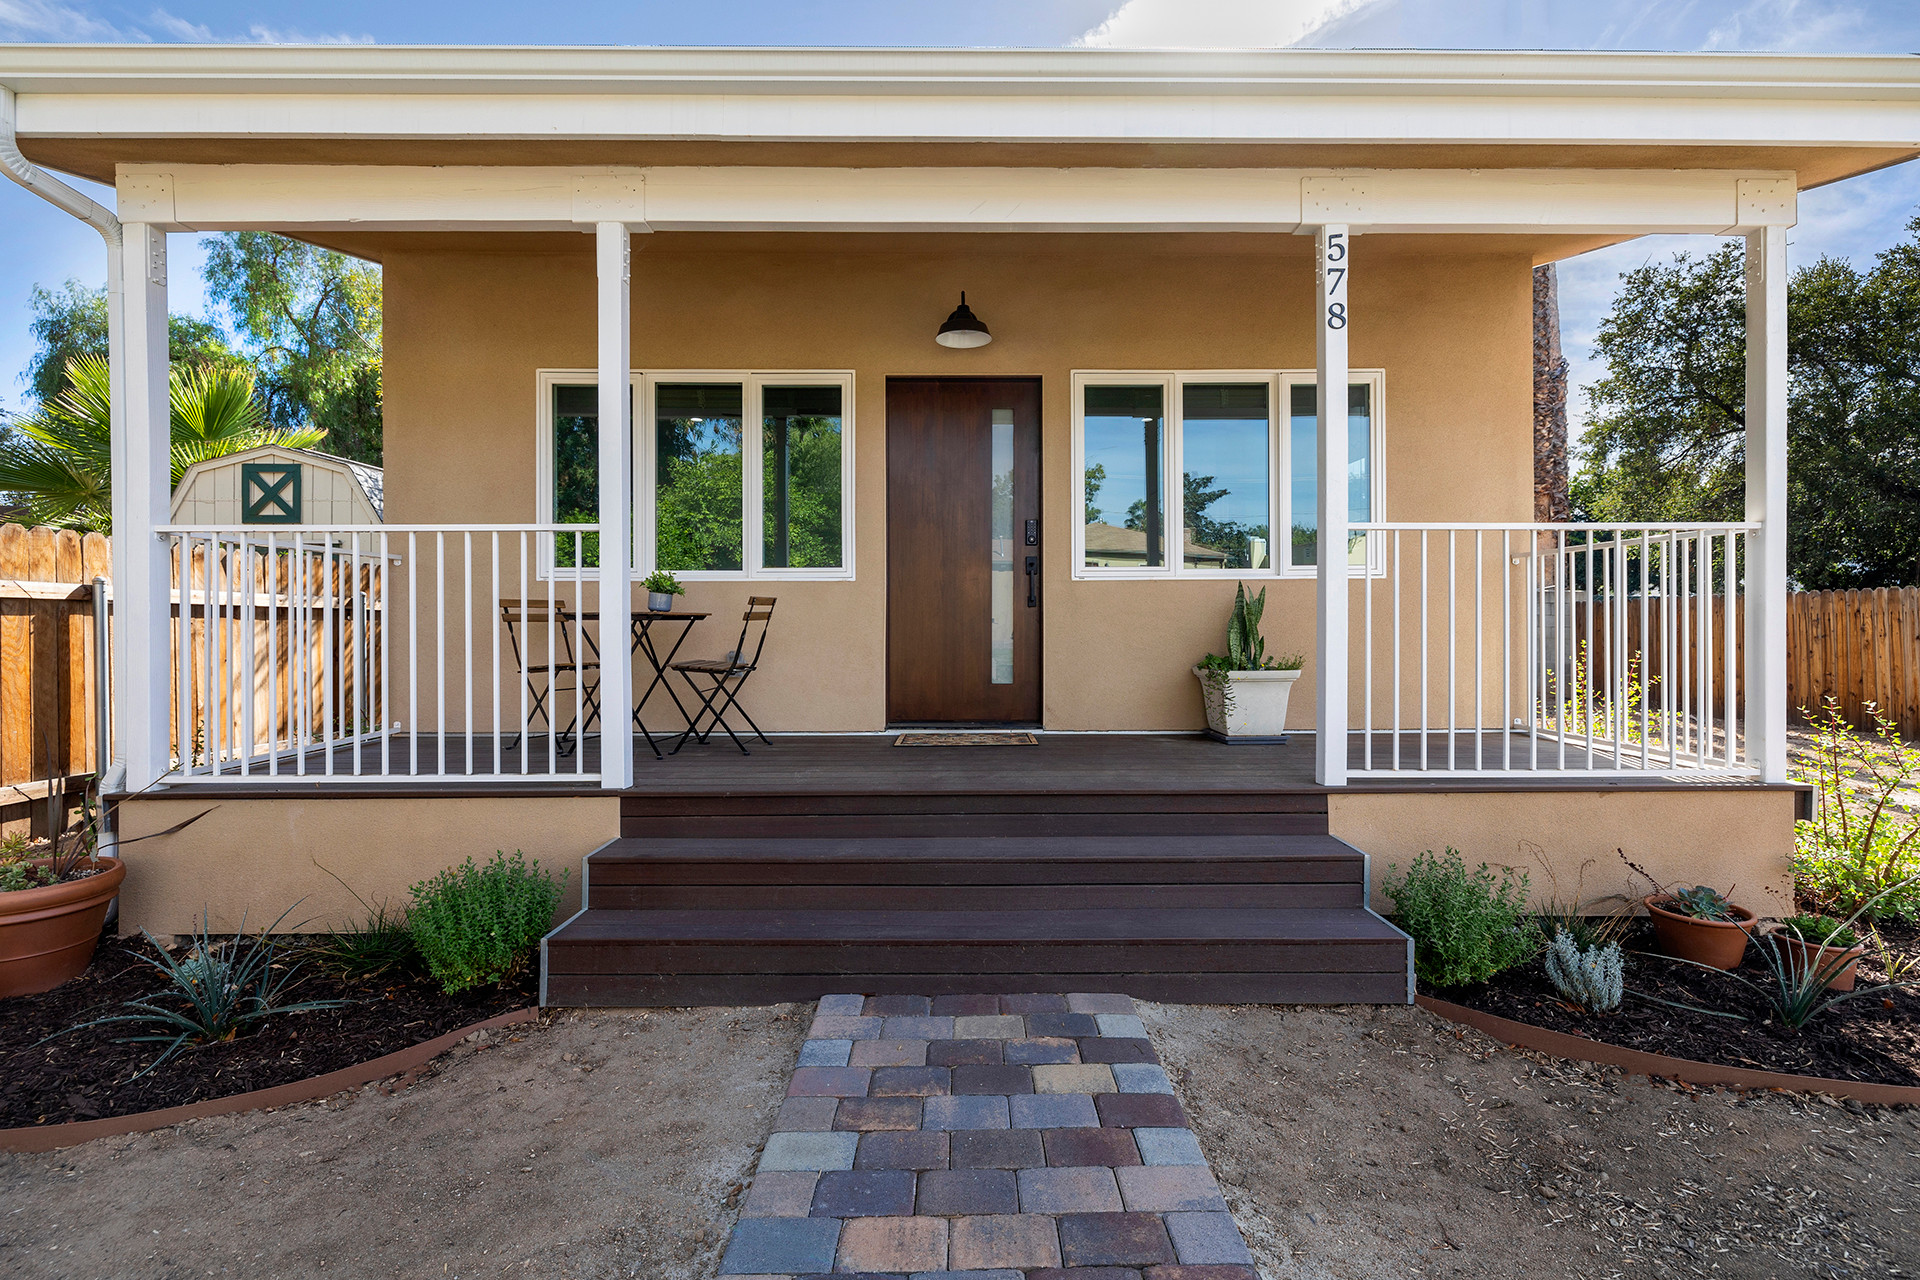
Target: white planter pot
[{"x": 1256, "y": 707}]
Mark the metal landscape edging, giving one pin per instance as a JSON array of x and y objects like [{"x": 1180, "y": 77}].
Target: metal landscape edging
[
  {"x": 50, "y": 1137},
  {"x": 1641, "y": 1063}
]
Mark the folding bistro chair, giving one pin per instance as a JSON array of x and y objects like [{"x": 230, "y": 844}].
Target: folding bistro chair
[
  {"x": 729, "y": 675},
  {"x": 547, "y": 681}
]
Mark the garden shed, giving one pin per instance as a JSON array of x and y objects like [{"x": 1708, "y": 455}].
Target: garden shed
[{"x": 275, "y": 485}]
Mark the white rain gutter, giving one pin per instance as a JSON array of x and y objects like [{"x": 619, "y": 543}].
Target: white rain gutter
[
  {"x": 45, "y": 185},
  {"x": 58, "y": 193}
]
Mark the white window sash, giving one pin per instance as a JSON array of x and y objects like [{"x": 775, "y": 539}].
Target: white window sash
[
  {"x": 1280, "y": 383},
  {"x": 753, "y": 498}
]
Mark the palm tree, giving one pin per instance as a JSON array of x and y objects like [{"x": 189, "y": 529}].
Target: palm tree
[{"x": 59, "y": 461}]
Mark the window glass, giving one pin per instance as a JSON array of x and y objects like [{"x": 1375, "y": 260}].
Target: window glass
[
  {"x": 576, "y": 471},
  {"x": 698, "y": 470},
  {"x": 1125, "y": 432},
  {"x": 800, "y": 482},
  {"x": 1305, "y": 487},
  {"x": 1226, "y": 499}
]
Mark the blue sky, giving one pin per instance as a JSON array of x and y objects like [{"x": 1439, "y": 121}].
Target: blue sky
[{"x": 1852, "y": 220}]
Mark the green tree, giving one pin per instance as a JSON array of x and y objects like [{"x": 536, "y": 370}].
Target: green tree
[
  {"x": 72, "y": 322},
  {"x": 309, "y": 318},
  {"x": 1665, "y": 434},
  {"x": 60, "y": 461}
]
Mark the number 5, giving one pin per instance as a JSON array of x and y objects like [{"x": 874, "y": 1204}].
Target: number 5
[{"x": 1336, "y": 246}]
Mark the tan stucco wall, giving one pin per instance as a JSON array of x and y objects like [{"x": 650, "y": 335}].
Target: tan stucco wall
[
  {"x": 466, "y": 331},
  {"x": 1732, "y": 839},
  {"x": 262, "y": 856}
]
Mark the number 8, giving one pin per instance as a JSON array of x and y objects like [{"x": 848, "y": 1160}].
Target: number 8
[{"x": 1336, "y": 315}]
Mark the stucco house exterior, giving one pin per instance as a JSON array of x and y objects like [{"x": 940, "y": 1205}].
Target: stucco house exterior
[{"x": 693, "y": 294}]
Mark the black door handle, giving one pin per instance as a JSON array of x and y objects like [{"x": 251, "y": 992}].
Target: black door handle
[{"x": 1033, "y": 582}]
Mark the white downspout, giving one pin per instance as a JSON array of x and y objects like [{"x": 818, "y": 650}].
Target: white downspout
[{"x": 103, "y": 220}]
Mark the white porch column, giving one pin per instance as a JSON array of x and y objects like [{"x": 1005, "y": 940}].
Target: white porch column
[
  {"x": 1330, "y": 749},
  {"x": 1766, "y": 578},
  {"x": 614, "y": 245},
  {"x": 142, "y": 493}
]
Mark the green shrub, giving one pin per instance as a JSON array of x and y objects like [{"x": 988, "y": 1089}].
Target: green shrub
[
  {"x": 1466, "y": 926},
  {"x": 375, "y": 944},
  {"x": 1860, "y": 846},
  {"x": 478, "y": 925}
]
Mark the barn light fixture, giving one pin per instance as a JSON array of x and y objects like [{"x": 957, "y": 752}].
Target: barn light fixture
[{"x": 963, "y": 328}]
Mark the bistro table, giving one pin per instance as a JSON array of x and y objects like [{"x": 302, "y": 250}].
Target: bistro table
[{"x": 645, "y": 645}]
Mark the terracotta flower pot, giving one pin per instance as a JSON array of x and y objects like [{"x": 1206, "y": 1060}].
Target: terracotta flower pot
[
  {"x": 1803, "y": 957},
  {"x": 47, "y": 935},
  {"x": 1718, "y": 944}
]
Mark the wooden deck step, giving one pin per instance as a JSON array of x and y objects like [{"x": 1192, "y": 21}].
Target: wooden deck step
[
  {"x": 851, "y": 813},
  {"x": 983, "y": 873},
  {"x": 724, "y": 956}
]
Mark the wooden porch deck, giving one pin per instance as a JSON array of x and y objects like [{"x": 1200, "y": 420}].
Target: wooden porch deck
[{"x": 1111, "y": 764}]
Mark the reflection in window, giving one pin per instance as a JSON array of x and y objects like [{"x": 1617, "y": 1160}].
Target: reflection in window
[
  {"x": 800, "y": 489},
  {"x": 698, "y": 475},
  {"x": 1000, "y": 498},
  {"x": 576, "y": 471},
  {"x": 1225, "y": 495},
  {"x": 1305, "y": 492},
  {"x": 1124, "y": 431}
]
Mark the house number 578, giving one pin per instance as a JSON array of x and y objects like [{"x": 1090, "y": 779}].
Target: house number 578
[{"x": 1336, "y": 281}]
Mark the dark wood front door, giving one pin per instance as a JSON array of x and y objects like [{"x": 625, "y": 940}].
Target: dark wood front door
[{"x": 963, "y": 550}]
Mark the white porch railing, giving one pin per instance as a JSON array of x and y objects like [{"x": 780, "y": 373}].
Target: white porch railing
[
  {"x": 1549, "y": 649},
  {"x": 385, "y": 653}
]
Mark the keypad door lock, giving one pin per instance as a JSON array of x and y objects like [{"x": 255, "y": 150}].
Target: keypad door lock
[{"x": 1033, "y": 533}]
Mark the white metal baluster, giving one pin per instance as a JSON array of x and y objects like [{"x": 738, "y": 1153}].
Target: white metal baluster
[
  {"x": 1646, "y": 686},
  {"x": 360, "y": 669},
  {"x": 466, "y": 635},
  {"x": 209, "y": 690},
  {"x": 1536, "y": 648},
  {"x": 413, "y": 652},
  {"x": 526, "y": 652},
  {"x": 329, "y": 633},
  {"x": 220, "y": 699},
  {"x": 553, "y": 667},
  {"x": 252, "y": 614},
  {"x": 440, "y": 652},
  {"x": 385, "y": 622},
  {"x": 272, "y": 575},
  {"x": 1453, "y": 641},
  {"x": 580, "y": 656},
  {"x": 1683, "y": 636},
  {"x": 1506, "y": 649},
  {"x": 493, "y": 630},
  {"x": 1703, "y": 621},
  {"x": 1479, "y": 652},
  {"x": 297, "y": 650},
  {"x": 1729, "y": 666},
  {"x": 1617, "y": 605},
  {"x": 1562, "y": 609},
  {"x": 1584, "y": 668},
  {"x": 1366, "y": 673},
  {"x": 1426, "y": 644},
  {"x": 1399, "y": 687}
]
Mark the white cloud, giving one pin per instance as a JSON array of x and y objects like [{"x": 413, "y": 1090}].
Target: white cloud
[
  {"x": 175, "y": 28},
  {"x": 39, "y": 20},
  {"x": 1218, "y": 24}
]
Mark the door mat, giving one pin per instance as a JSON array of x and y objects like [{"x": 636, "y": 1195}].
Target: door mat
[{"x": 966, "y": 740}]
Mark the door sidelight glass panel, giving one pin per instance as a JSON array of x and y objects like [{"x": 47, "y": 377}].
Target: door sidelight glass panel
[
  {"x": 800, "y": 489},
  {"x": 1227, "y": 503},
  {"x": 698, "y": 457},
  {"x": 1002, "y": 549},
  {"x": 1125, "y": 459}
]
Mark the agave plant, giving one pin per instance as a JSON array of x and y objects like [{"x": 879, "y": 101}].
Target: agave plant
[
  {"x": 60, "y": 460},
  {"x": 217, "y": 990}
]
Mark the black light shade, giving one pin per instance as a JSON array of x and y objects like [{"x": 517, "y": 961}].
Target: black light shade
[{"x": 963, "y": 328}]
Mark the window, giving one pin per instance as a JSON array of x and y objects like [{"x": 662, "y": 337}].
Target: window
[
  {"x": 1243, "y": 446},
  {"x": 735, "y": 475}
]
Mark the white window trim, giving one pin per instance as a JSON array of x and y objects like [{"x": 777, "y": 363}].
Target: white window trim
[
  {"x": 1279, "y": 454},
  {"x": 753, "y": 384}
]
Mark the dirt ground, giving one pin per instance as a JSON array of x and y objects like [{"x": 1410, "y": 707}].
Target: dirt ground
[{"x": 1350, "y": 1143}]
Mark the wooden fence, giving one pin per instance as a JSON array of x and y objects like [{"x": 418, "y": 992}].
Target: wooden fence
[
  {"x": 1857, "y": 647},
  {"x": 46, "y": 663}
]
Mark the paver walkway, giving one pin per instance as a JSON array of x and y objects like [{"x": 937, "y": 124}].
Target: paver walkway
[{"x": 985, "y": 1137}]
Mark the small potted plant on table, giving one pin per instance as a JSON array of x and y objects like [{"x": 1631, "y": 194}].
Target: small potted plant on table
[
  {"x": 1243, "y": 691},
  {"x": 662, "y": 587}
]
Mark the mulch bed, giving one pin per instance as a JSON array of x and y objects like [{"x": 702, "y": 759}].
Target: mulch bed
[
  {"x": 85, "y": 1075},
  {"x": 1873, "y": 1039}
]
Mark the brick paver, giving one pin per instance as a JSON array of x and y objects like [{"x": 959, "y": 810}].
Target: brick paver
[{"x": 1012, "y": 1137}]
